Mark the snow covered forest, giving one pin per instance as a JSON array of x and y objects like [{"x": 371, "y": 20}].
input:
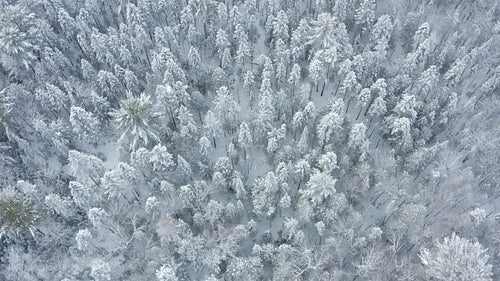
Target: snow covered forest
[{"x": 249, "y": 140}]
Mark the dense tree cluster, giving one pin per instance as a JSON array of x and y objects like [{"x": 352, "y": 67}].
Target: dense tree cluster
[{"x": 249, "y": 140}]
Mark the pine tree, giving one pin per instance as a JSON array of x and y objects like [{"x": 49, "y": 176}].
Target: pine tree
[
  {"x": 166, "y": 273},
  {"x": 161, "y": 159},
  {"x": 221, "y": 41},
  {"x": 110, "y": 86},
  {"x": 382, "y": 30},
  {"x": 316, "y": 71},
  {"x": 68, "y": 23},
  {"x": 83, "y": 238},
  {"x": 85, "y": 168},
  {"x": 274, "y": 139},
  {"x": 330, "y": 123},
  {"x": 222, "y": 15},
  {"x": 358, "y": 142},
  {"x": 53, "y": 98},
  {"x": 303, "y": 144},
  {"x": 285, "y": 202},
  {"x": 17, "y": 213},
  {"x": 295, "y": 75},
  {"x": 302, "y": 168},
  {"x": 226, "y": 59},
  {"x": 88, "y": 71},
  {"x": 350, "y": 87},
  {"x": 82, "y": 195},
  {"x": 100, "y": 270},
  {"x": 299, "y": 40},
  {"x": 213, "y": 212},
  {"x": 100, "y": 48},
  {"x": 85, "y": 126},
  {"x": 282, "y": 60},
  {"x": 428, "y": 80},
  {"x": 226, "y": 107},
  {"x": 245, "y": 268},
  {"x": 98, "y": 106},
  {"x": 243, "y": 53},
  {"x": 422, "y": 45},
  {"x": 379, "y": 107},
  {"x": 236, "y": 16},
  {"x": 249, "y": 80},
  {"x": 136, "y": 120},
  {"x": 205, "y": 146},
  {"x": 365, "y": 14},
  {"x": 96, "y": 216},
  {"x": 59, "y": 205},
  {"x": 322, "y": 34},
  {"x": 265, "y": 195},
  {"x": 183, "y": 166},
  {"x": 280, "y": 26},
  {"x": 378, "y": 103},
  {"x": 212, "y": 126},
  {"x": 194, "y": 58},
  {"x": 186, "y": 124},
  {"x": 399, "y": 128},
  {"x": 328, "y": 162},
  {"x": 245, "y": 138},
  {"x": 319, "y": 188},
  {"x": 54, "y": 133},
  {"x": 16, "y": 44},
  {"x": 121, "y": 182},
  {"x": 407, "y": 107},
  {"x": 238, "y": 186}
]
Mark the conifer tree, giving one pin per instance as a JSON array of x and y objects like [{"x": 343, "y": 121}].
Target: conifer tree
[
  {"x": 17, "y": 213},
  {"x": 136, "y": 119}
]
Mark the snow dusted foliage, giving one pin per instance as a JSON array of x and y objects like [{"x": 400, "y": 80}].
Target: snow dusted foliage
[
  {"x": 249, "y": 140},
  {"x": 166, "y": 273},
  {"x": 101, "y": 271},
  {"x": 58, "y": 205},
  {"x": 84, "y": 167},
  {"x": 457, "y": 258},
  {"x": 83, "y": 238},
  {"x": 85, "y": 125}
]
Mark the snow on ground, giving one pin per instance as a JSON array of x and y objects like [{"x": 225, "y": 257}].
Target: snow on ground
[{"x": 111, "y": 151}]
